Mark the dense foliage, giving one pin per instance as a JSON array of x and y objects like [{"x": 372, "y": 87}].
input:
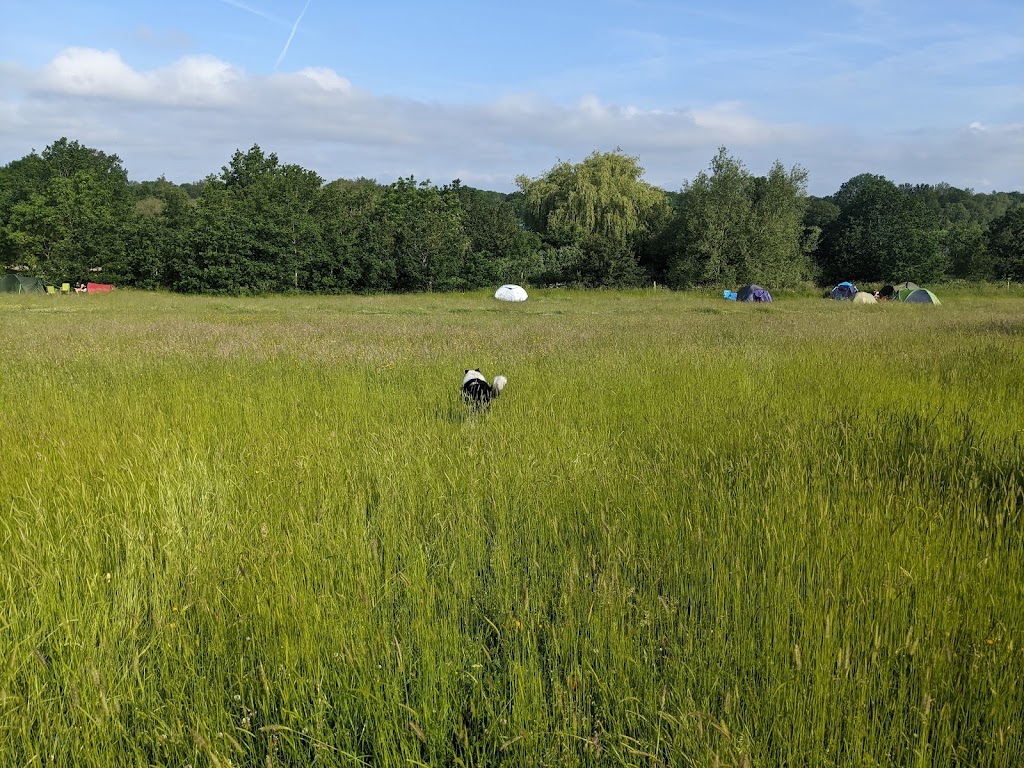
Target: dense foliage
[
  {"x": 733, "y": 227},
  {"x": 71, "y": 213}
]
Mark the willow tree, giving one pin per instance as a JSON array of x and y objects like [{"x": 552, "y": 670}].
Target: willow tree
[{"x": 601, "y": 207}]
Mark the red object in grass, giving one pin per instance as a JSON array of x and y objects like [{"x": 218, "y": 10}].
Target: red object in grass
[{"x": 98, "y": 287}]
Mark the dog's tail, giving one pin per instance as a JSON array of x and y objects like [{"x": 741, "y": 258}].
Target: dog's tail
[{"x": 499, "y": 384}]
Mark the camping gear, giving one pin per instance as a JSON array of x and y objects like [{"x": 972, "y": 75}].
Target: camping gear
[
  {"x": 922, "y": 296},
  {"x": 887, "y": 292},
  {"x": 730, "y": 295},
  {"x": 843, "y": 292},
  {"x": 754, "y": 293},
  {"x": 12, "y": 283},
  {"x": 505, "y": 293},
  {"x": 98, "y": 288},
  {"x": 863, "y": 297}
]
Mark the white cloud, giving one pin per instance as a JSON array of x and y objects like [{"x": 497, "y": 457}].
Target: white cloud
[
  {"x": 88, "y": 72},
  {"x": 327, "y": 79},
  {"x": 191, "y": 81},
  {"x": 729, "y": 121},
  {"x": 185, "y": 120}
]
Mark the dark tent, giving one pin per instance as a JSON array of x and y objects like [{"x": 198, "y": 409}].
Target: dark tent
[
  {"x": 887, "y": 292},
  {"x": 753, "y": 293},
  {"x": 843, "y": 292},
  {"x": 12, "y": 283},
  {"x": 922, "y": 296}
]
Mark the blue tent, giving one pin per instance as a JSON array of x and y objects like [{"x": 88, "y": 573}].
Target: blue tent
[
  {"x": 843, "y": 292},
  {"x": 754, "y": 293}
]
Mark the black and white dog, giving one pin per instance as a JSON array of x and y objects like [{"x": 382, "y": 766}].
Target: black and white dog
[{"x": 477, "y": 392}]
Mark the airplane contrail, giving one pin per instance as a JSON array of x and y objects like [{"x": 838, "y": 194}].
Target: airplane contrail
[
  {"x": 255, "y": 11},
  {"x": 295, "y": 26}
]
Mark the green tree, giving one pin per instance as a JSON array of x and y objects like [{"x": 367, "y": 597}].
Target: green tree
[
  {"x": 600, "y": 206},
  {"x": 818, "y": 217},
  {"x": 967, "y": 251},
  {"x": 712, "y": 221},
  {"x": 359, "y": 234},
  {"x": 1006, "y": 244},
  {"x": 336, "y": 268},
  {"x": 70, "y": 230},
  {"x": 19, "y": 180},
  {"x": 778, "y": 249},
  {"x": 881, "y": 234},
  {"x": 501, "y": 250},
  {"x": 733, "y": 227},
  {"x": 255, "y": 227},
  {"x": 159, "y": 234},
  {"x": 430, "y": 243},
  {"x": 65, "y": 212}
]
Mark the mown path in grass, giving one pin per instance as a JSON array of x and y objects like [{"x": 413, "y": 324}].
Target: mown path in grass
[{"x": 690, "y": 532}]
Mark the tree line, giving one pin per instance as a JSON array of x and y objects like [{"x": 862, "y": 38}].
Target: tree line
[{"x": 70, "y": 213}]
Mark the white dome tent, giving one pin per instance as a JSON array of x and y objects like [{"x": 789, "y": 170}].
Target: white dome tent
[{"x": 510, "y": 293}]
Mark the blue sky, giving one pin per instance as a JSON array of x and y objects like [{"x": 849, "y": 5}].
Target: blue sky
[{"x": 920, "y": 92}]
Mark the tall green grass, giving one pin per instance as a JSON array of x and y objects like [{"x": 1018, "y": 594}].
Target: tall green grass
[{"x": 265, "y": 532}]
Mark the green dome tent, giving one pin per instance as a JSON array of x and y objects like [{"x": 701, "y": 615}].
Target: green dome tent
[
  {"x": 902, "y": 290},
  {"x": 921, "y": 296},
  {"x": 12, "y": 283}
]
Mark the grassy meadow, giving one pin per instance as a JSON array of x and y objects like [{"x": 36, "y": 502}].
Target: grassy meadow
[{"x": 265, "y": 532}]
